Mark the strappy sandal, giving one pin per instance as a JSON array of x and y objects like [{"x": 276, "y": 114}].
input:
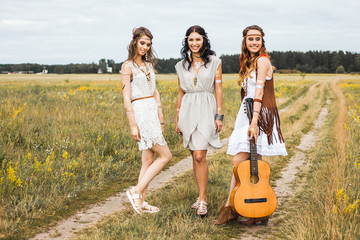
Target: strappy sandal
[
  {"x": 202, "y": 209},
  {"x": 146, "y": 207},
  {"x": 132, "y": 197},
  {"x": 196, "y": 204}
]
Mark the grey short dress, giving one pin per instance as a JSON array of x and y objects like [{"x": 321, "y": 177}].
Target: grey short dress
[{"x": 198, "y": 106}]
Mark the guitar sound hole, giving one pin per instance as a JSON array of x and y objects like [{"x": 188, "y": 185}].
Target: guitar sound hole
[{"x": 254, "y": 179}]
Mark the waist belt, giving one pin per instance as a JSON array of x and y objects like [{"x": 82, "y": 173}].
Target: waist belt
[{"x": 141, "y": 98}]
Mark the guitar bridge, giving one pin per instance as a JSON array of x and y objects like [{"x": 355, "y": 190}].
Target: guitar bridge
[{"x": 255, "y": 200}]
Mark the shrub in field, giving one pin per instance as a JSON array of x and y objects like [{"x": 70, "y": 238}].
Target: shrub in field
[{"x": 340, "y": 69}]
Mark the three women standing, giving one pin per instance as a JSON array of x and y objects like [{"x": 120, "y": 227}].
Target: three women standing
[
  {"x": 198, "y": 114},
  {"x": 143, "y": 109}
]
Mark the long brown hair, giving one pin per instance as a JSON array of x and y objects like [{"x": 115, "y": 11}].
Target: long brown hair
[
  {"x": 132, "y": 48},
  {"x": 248, "y": 63}
]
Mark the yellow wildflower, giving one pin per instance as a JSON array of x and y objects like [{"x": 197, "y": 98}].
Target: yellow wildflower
[
  {"x": 11, "y": 174},
  {"x": 65, "y": 155}
]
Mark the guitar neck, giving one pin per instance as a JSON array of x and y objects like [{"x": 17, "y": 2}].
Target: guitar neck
[{"x": 253, "y": 158}]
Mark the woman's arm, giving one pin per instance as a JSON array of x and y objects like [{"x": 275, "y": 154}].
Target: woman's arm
[
  {"x": 178, "y": 105},
  {"x": 219, "y": 98},
  {"x": 160, "y": 114},
  {"x": 126, "y": 74},
  {"x": 264, "y": 67}
]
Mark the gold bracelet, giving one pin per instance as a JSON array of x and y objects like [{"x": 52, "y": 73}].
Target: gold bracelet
[{"x": 162, "y": 123}]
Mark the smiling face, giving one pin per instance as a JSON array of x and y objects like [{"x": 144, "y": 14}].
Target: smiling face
[
  {"x": 195, "y": 42},
  {"x": 253, "y": 41},
  {"x": 143, "y": 45}
]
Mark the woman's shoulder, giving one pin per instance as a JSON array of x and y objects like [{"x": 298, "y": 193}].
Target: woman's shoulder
[
  {"x": 213, "y": 57},
  {"x": 126, "y": 67},
  {"x": 179, "y": 65},
  {"x": 263, "y": 60}
]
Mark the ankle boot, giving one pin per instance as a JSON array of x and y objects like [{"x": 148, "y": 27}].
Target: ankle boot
[
  {"x": 253, "y": 221},
  {"x": 226, "y": 214}
]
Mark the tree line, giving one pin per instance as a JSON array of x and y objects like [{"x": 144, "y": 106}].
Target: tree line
[{"x": 288, "y": 61}]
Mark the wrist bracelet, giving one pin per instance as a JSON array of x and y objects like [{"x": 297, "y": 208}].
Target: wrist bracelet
[
  {"x": 219, "y": 117},
  {"x": 255, "y": 111},
  {"x": 257, "y": 100}
]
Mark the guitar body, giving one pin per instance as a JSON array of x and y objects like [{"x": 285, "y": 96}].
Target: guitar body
[{"x": 253, "y": 196}]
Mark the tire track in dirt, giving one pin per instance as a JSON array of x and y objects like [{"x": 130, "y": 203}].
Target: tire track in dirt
[
  {"x": 283, "y": 185},
  {"x": 65, "y": 229}
]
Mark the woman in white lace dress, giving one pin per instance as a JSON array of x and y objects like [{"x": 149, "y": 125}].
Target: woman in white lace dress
[
  {"x": 256, "y": 80},
  {"x": 143, "y": 109}
]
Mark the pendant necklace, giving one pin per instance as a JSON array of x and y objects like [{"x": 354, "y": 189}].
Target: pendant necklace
[
  {"x": 197, "y": 65},
  {"x": 147, "y": 73}
]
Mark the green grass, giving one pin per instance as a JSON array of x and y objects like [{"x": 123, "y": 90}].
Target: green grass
[
  {"x": 327, "y": 205},
  {"x": 65, "y": 143},
  {"x": 177, "y": 220}
]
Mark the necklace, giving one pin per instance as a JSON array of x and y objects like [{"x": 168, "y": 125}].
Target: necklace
[
  {"x": 197, "y": 65},
  {"x": 147, "y": 72}
]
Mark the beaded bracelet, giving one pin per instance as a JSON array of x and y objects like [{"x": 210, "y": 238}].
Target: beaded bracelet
[{"x": 219, "y": 117}]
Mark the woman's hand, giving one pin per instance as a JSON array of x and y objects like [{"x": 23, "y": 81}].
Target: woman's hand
[
  {"x": 253, "y": 132},
  {"x": 177, "y": 130},
  {"x": 218, "y": 125},
  {"x": 135, "y": 133}
]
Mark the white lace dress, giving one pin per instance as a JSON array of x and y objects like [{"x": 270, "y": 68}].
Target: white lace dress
[
  {"x": 239, "y": 142},
  {"x": 145, "y": 110}
]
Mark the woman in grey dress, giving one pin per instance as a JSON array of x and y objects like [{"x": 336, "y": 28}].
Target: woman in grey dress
[{"x": 198, "y": 114}]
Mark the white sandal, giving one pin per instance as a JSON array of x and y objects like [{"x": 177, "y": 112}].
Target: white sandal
[
  {"x": 131, "y": 198},
  {"x": 202, "y": 209},
  {"x": 196, "y": 204},
  {"x": 146, "y": 207}
]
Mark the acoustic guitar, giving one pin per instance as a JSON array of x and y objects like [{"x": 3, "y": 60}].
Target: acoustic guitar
[{"x": 253, "y": 196}]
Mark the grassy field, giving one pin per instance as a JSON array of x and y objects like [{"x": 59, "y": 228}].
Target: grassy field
[{"x": 65, "y": 143}]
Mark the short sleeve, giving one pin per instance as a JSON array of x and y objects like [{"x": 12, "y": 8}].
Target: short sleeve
[{"x": 125, "y": 68}]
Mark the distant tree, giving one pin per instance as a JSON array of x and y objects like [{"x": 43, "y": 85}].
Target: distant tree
[
  {"x": 102, "y": 65},
  {"x": 340, "y": 69}
]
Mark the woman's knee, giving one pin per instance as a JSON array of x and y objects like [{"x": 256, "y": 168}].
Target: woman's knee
[
  {"x": 199, "y": 158},
  {"x": 168, "y": 157},
  {"x": 240, "y": 157},
  {"x": 147, "y": 160}
]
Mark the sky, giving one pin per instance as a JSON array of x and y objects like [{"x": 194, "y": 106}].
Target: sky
[{"x": 84, "y": 31}]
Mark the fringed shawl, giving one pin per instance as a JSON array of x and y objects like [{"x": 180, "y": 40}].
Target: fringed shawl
[{"x": 269, "y": 114}]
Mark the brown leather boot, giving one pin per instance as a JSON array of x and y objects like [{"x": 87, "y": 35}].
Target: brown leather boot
[
  {"x": 226, "y": 215},
  {"x": 253, "y": 221}
]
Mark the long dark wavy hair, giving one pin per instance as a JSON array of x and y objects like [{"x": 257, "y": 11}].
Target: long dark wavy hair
[
  {"x": 132, "y": 48},
  {"x": 205, "y": 50},
  {"x": 248, "y": 63}
]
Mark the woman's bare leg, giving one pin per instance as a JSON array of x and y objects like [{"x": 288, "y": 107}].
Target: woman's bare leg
[
  {"x": 240, "y": 157},
  {"x": 201, "y": 172},
  {"x": 164, "y": 156}
]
